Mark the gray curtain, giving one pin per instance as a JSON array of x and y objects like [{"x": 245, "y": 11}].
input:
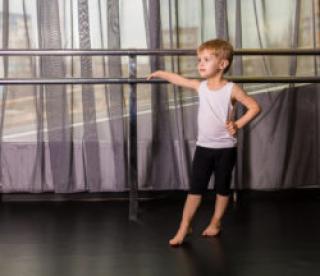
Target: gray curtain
[
  {"x": 73, "y": 138},
  {"x": 284, "y": 141}
]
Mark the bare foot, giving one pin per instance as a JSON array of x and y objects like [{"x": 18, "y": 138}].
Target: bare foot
[
  {"x": 212, "y": 230},
  {"x": 178, "y": 239}
]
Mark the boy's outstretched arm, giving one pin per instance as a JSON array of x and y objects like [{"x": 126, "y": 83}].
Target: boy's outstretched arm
[
  {"x": 175, "y": 79},
  {"x": 253, "y": 109}
]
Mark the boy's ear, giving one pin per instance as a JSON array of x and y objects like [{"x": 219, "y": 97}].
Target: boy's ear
[{"x": 224, "y": 64}]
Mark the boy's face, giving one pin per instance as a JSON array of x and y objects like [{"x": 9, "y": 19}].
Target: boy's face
[{"x": 209, "y": 65}]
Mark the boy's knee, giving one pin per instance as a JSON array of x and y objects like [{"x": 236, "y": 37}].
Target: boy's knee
[
  {"x": 223, "y": 192},
  {"x": 196, "y": 191}
]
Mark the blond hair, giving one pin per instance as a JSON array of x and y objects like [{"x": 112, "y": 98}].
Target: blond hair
[{"x": 220, "y": 48}]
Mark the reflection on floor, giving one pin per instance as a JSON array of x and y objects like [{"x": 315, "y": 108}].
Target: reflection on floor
[{"x": 261, "y": 236}]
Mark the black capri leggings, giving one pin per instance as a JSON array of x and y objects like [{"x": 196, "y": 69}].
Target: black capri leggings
[{"x": 208, "y": 160}]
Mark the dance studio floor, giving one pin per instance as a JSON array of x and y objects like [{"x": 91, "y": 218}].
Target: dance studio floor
[{"x": 262, "y": 236}]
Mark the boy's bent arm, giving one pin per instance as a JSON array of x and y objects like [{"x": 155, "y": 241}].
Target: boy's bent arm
[
  {"x": 252, "y": 106},
  {"x": 176, "y": 79}
]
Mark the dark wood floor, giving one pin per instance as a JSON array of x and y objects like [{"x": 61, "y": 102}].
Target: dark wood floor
[{"x": 262, "y": 236}]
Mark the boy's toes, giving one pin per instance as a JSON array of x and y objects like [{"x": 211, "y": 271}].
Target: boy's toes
[
  {"x": 175, "y": 242},
  {"x": 180, "y": 236},
  {"x": 211, "y": 231}
]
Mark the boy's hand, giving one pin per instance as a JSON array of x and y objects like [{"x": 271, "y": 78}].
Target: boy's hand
[
  {"x": 232, "y": 128},
  {"x": 155, "y": 74}
]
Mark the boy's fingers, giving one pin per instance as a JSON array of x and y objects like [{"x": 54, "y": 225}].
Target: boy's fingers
[
  {"x": 150, "y": 76},
  {"x": 229, "y": 125}
]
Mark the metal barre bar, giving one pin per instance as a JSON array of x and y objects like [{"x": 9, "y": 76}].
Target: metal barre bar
[
  {"x": 132, "y": 143},
  {"x": 237, "y": 79},
  {"x": 149, "y": 52}
]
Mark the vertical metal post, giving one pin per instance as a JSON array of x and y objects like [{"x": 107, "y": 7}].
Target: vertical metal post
[
  {"x": 132, "y": 142},
  {"x": 238, "y": 69}
]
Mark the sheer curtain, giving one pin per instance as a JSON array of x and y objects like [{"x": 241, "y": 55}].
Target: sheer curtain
[
  {"x": 280, "y": 149},
  {"x": 73, "y": 138}
]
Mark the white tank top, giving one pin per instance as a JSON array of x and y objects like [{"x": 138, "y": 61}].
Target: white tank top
[{"x": 215, "y": 108}]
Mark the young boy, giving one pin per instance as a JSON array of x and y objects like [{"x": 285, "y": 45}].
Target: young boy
[{"x": 216, "y": 142}]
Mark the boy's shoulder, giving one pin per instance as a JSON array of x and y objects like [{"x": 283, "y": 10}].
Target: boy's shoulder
[
  {"x": 238, "y": 92},
  {"x": 236, "y": 87}
]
